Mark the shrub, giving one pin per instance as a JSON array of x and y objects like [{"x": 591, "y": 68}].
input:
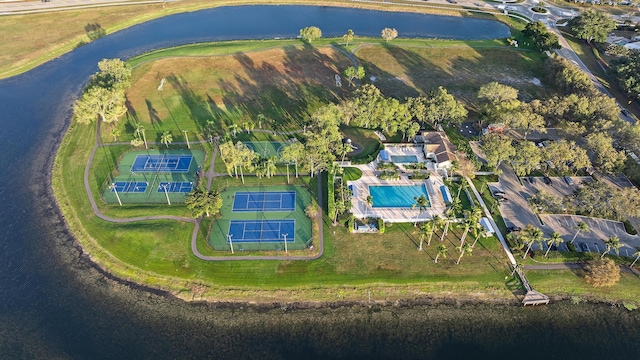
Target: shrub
[
  {"x": 602, "y": 273},
  {"x": 381, "y": 226},
  {"x": 571, "y": 247},
  {"x": 312, "y": 209},
  {"x": 417, "y": 175},
  {"x": 630, "y": 306},
  {"x": 629, "y": 228},
  {"x": 351, "y": 222}
]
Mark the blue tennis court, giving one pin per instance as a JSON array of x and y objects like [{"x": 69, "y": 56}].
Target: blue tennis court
[
  {"x": 161, "y": 163},
  {"x": 176, "y": 187},
  {"x": 251, "y": 231},
  {"x": 252, "y": 201},
  {"x": 129, "y": 186}
]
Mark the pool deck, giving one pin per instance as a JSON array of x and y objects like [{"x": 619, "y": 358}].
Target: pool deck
[{"x": 361, "y": 190}]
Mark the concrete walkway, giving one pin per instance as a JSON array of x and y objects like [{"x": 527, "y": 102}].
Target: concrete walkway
[{"x": 194, "y": 237}]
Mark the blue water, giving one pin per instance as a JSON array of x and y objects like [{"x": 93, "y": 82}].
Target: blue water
[
  {"x": 404, "y": 159},
  {"x": 396, "y": 196}
]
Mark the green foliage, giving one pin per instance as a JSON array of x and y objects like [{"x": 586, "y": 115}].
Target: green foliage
[
  {"x": 599, "y": 199},
  {"x": 389, "y": 34},
  {"x": 568, "y": 77},
  {"x": 351, "y": 223},
  {"x": 565, "y": 156},
  {"x": 331, "y": 195},
  {"x": 381, "y": 226},
  {"x": 310, "y": 33},
  {"x": 626, "y": 70},
  {"x": 629, "y": 305},
  {"x": 527, "y": 156},
  {"x": 628, "y": 227},
  {"x": 607, "y": 157},
  {"x": 104, "y": 95},
  {"x": 202, "y": 202},
  {"x": 389, "y": 175},
  {"x": 497, "y": 148},
  {"x": 592, "y": 26},
  {"x": 602, "y": 273},
  {"x": 419, "y": 175},
  {"x": 542, "y": 38},
  {"x": 354, "y": 73},
  {"x": 312, "y": 209}
]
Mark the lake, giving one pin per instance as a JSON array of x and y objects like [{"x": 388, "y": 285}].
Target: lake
[{"x": 55, "y": 304}]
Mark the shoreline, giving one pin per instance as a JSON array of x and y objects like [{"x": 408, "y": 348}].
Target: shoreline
[{"x": 66, "y": 46}]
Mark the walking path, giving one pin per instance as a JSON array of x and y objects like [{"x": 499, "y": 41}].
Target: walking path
[
  {"x": 532, "y": 297},
  {"x": 210, "y": 174}
]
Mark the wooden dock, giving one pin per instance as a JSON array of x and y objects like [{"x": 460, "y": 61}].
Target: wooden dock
[{"x": 532, "y": 297}]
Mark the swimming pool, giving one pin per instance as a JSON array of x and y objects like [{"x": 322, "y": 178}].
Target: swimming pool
[
  {"x": 396, "y": 196},
  {"x": 404, "y": 159}
]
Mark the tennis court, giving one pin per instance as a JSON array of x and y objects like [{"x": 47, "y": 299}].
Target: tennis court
[
  {"x": 264, "y": 201},
  {"x": 129, "y": 186},
  {"x": 142, "y": 175},
  {"x": 266, "y": 149},
  {"x": 161, "y": 163},
  {"x": 251, "y": 231},
  {"x": 258, "y": 216},
  {"x": 176, "y": 187}
]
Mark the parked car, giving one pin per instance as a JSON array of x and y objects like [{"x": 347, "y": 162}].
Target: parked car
[
  {"x": 547, "y": 180},
  {"x": 532, "y": 180},
  {"x": 502, "y": 199},
  {"x": 513, "y": 228},
  {"x": 584, "y": 247},
  {"x": 498, "y": 193},
  {"x": 625, "y": 112},
  {"x": 568, "y": 180}
]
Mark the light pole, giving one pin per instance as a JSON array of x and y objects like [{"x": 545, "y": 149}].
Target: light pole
[
  {"x": 230, "y": 242},
  {"x": 166, "y": 193},
  {"x": 285, "y": 243},
  {"x": 113, "y": 186}
]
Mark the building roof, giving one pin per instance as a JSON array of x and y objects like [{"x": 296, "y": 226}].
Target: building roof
[{"x": 437, "y": 142}]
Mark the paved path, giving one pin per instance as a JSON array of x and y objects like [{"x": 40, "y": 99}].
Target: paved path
[{"x": 194, "y": 236}]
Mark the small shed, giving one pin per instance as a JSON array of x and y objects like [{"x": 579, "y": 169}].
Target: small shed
[{"x": 486, "y": 224}]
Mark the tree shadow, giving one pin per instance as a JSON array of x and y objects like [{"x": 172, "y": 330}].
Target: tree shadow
[
  {"x": 94, "y": 31},
  {"x": 153, "y": 113}
]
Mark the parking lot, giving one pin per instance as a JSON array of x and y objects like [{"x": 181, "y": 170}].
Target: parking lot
[{"x": 516, "y": 212}]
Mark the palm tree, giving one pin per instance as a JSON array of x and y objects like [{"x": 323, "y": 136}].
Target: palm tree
[
  {"x": 186, "y": 137},
  {"x": 464, "y": 249},
  {"x": 248, "y": 125},
  {"x": 531, "y": 235},
  {"x": 270, "y": 166},
  {"x": 456, "y": 205},
  {"x": 141, "y": 134},
  {"x": 448, "y": 216},
  {"x": 637, "y": 255},
  {"x": 554, "y": 239},
  {"x": 438, "y": 222},
  {"x": 422, "y": 204},
  {"x": 442, "y": 251},
  {"x": 612, "y": 243},
  {"x": 463, "y": 186},
  {"x": 210, "y": 127},
  {"x": 370, "y": 203},
  {"x": 426, "y": 229},
  {"x": 343, "y": 150},
  {"x": 261, "y": 119},
  {"x": 581, "y": 226},
  {"x": 166, "y": 138},
  {"x": 234, "y": 129},
  {"x": 348, "y": 36},
  {"x": 470, "y": 221},
  {"x": 115, "y": 132}
]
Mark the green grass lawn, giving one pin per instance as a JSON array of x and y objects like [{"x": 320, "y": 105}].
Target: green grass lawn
[
  {"x": 351, "y": 174},
  {"x": 572, "y": 283},
  {"x": 388, "y": 264}
]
